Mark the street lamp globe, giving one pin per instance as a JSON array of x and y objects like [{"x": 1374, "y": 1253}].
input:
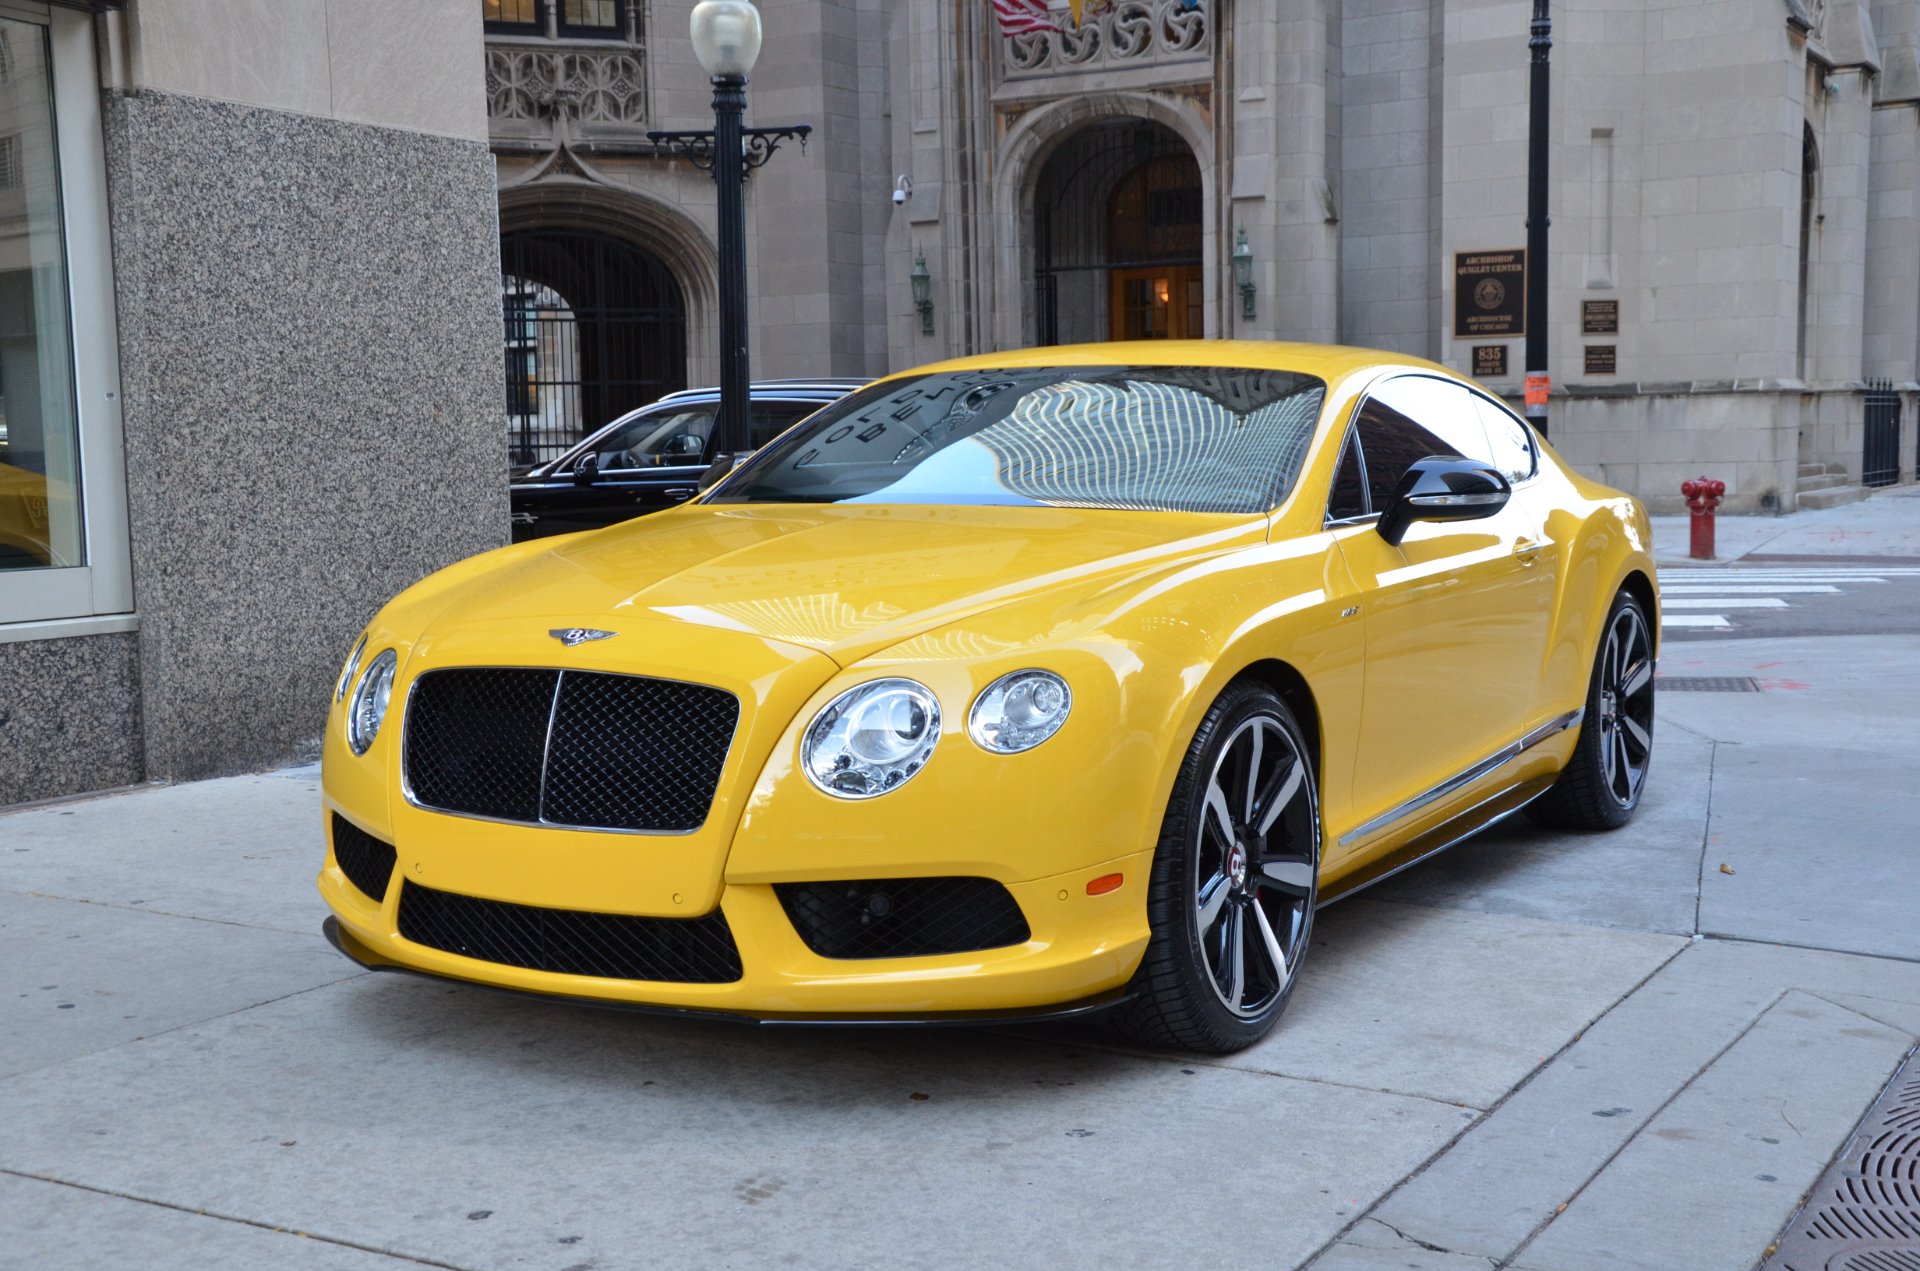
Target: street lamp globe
[{"x": 726, "y": 37}]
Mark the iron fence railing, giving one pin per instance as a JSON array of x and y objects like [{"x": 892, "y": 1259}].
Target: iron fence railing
[{"x": 1881, "y": 462}]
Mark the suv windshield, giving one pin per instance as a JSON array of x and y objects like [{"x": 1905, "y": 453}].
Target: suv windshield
[{"x": 1150, "y": 438}]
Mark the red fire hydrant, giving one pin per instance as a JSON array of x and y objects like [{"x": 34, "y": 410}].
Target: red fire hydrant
[{"x": 1703, "y": 496}]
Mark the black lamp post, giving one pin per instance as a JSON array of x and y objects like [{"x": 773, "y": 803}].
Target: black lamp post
[
  {"x": 1538, "y": 381},
  {"x": 726, "y": 39}
]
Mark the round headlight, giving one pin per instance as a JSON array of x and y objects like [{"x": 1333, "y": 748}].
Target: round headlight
[
  {"x": 1017, "y": 712},
  {"x": 871, "y": 739},
  {"x": 368, "y": 709},
  {"x": 346, "y": 673}
]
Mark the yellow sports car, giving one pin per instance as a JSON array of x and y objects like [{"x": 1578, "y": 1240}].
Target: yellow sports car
[{"x": 1023, "y": 685}]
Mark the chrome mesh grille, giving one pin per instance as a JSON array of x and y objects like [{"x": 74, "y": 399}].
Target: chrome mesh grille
[
  {"x": 571, "y": 941},
  {"x": 568, "y": 748}
]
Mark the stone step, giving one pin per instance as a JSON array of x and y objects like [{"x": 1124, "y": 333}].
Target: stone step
[
  {"x": 1822, "y": 469},
  {"x": 1816, "y": 500},
  {"x": 1824, "y": 481}
]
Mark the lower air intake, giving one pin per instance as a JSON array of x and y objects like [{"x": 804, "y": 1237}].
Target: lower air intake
[
  {"x": 365, "y": 860},
  {"x": 569, "y": 941},
  {"x": 903, "y": 917}
]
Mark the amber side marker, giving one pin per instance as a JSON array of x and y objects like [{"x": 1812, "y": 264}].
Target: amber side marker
[{"x": 1105, "y": 883}]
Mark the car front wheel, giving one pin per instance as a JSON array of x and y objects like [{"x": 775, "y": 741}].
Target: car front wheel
[
  {"x": 1234, "y": 882},
  {"x": 1602, "y": 783}
]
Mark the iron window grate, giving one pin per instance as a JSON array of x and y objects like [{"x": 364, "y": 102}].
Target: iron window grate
[
  {"x": 568, "y": 748},
  {"x": 903, "y": 917},
  {"x": 365, "y": 860},
  {"x": 570, "y": 941},
  {"x": 1707, "y": 684}
]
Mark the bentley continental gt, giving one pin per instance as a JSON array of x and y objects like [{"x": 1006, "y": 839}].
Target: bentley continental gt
[{"x": 1032, "y": 684}]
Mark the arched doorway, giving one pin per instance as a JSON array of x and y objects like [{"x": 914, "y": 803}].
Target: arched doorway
[
  {"x": 594, "y": 327},
  {"x": 1119, "y": 236}
]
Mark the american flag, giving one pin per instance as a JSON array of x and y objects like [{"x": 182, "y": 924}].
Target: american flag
[{"x": 1018, "y": 17}]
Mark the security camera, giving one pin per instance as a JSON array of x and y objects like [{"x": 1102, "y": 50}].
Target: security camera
[{"x": 902, "y": 191}]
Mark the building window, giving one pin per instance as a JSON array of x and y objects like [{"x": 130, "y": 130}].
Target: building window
[
  {"x": 594, "y": 19},
  {"x": 63, "y": 544}
]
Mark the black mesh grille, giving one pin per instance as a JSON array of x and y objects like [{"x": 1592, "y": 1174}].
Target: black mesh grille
[
  {"x": 364, "y": 859},
  {"x": 903, "y": 917},
  {"x": 616, "y": 752},
  {"x": 636, "y": 754},
  {"x": 571, "y": 942},
  {"x": 476, "y": 741}
]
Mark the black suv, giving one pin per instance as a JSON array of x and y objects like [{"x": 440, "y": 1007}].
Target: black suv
[{"x": 652, "y": 458}]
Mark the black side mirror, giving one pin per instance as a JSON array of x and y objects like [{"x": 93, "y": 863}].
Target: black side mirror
[
  {"x": 587, "y": 471},
  {"x": 1443, "y": 488}
]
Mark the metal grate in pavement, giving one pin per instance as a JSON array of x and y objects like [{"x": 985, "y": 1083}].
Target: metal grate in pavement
[
  {"x": 1706, "y": 684},
  {"x": 1864, "y": 1213}
]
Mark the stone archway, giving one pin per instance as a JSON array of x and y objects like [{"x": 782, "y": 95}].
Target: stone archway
[
  {"x": 648, "y": 224},
  {"x": 1024, "y": 155}
]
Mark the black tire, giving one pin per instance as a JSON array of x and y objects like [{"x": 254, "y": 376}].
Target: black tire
[
  {"x": 1210, "y": 984},
  {"x": 1601, "y": 785}
]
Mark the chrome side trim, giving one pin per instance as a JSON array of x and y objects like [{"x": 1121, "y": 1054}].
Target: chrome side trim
[{"x": 1460, "y": 780}]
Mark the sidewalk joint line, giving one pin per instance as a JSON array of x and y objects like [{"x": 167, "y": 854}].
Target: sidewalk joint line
[
  {"x": 1499, "y": 1103},
  {"x": 1725, "y": 938},
  {"x": 192, "y": 1023},
  {"x": 164, "y": 913},
  {"x": 232, "y": 1218},
  {"x": 1706, "y": 836},
  {"x": 1854, "y": 1010},
  {"x": 1640, "y": 1128}
]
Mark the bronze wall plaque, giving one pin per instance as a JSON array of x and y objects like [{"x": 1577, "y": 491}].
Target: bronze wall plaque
[
  {"x": 1489, "y": 361},
  {"x": 1489, "y": 294},
  {"x": 1600, "y": 317},
  {"x": 1603, "y": 359}
]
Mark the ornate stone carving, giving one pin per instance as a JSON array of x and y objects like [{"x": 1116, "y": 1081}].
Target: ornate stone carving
[
  {"x": 1129, "y": 33},
  {"x": 599, "y": 91}
]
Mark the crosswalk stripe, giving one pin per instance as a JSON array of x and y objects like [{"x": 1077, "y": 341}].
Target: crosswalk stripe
[
  {"x": 1744, "y": 589},
  {"x": 1693, "y": 620},
  {"x": 1725, "y": 602}
]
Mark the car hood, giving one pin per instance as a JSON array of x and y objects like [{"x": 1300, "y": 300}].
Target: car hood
[{"x": 841, "y": 580}]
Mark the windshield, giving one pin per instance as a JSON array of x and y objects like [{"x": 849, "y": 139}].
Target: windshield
[{"x": 1149, "y": 438}]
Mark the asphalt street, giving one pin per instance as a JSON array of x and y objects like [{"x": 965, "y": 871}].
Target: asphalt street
[{"x": 1541, "y": 1051}]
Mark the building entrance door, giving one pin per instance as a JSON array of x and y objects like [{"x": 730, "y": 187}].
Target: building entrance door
[
  {"x": 1119, "y": 218},
  {"x": 1156, "y": 304}
]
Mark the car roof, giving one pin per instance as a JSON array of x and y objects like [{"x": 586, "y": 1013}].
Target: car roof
[
  {"x": 1330, "y": 362},
  {"x": 832, "y": 386}
]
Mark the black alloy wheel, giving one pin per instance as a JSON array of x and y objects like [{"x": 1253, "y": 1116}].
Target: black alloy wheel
[
  {"x": 1603, "y": 781},
  {"x": 1235, "y": 879}
]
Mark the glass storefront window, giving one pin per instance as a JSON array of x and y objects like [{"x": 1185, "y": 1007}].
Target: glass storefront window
[{"x": 41, "y": 524}]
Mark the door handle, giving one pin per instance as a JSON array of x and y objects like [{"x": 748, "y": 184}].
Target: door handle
[{"x": 1528, "y": 550}]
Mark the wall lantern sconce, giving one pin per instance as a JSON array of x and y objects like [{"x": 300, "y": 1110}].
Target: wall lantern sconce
[
  {"x": 922, "y": 280},
  {"x": 1243, "y": 273}
]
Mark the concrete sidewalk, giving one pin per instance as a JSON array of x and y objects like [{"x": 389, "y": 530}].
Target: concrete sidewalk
[
  {"x": 1886, "y": 523},
  {"x": 1542, "y": 1051}
]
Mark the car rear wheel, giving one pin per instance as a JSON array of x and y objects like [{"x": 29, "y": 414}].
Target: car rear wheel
[
  {"x": 1602, "y": 784},
  {"x": 1234, "y": 882}
]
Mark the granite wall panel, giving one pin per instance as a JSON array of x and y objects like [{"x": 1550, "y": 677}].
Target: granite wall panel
[
  {"x": 310, "y": 360},
  {"x": 69, "y": 716}
]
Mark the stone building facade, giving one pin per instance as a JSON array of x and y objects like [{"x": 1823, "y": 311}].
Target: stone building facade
[
  {"x": 1737, "y": 182},
  {"x": 250, "y": 379}
]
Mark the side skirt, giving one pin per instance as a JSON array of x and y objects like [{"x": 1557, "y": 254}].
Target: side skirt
[{"x": 1488, "y": 812}]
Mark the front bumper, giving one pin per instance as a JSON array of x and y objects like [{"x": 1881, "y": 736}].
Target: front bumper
[
  {"x": 1080, "y": 954},
  {"x": 358, "y": 953}
]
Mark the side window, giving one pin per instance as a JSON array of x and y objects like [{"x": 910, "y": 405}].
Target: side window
[
  {"x": 655, "y": 441},
  {"x": 1513, "y": 453},
  {"x": 1349, "y": 496},
  {"x": 1412, "y": 418}
]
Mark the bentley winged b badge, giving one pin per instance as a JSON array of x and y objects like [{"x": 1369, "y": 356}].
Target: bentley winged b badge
[{"x": 571, "y": 636}]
